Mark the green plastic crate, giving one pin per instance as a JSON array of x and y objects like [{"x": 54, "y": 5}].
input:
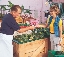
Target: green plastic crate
[{"x": 54, "y": 54}]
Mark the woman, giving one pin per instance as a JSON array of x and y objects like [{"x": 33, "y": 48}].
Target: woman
[{"x": 55, "y": 25}]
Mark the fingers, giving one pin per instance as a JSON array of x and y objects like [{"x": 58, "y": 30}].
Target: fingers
[
  {"x": 32, "y": 27},
  {"x": 60, "y": 40}
]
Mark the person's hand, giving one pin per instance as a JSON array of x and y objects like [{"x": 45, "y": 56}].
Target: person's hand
[
  {"x": 32, "y": 27},
  {"x": 60, "y": 40},
  {"x": 37, "y": 26}
]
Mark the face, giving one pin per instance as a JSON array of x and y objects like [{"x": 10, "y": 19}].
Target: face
[
  {"x": 52, "y": 13},
  {"x": 17, "y": 14}
]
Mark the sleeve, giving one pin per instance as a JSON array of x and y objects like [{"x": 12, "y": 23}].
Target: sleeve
[
  {"x": 60, "y": 23},
  {"x": 13, "y": 24}
]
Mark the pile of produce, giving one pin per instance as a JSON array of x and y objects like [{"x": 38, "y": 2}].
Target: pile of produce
[
  {"x": 23, "y": 25},
  {"x": 38, "y": 33},
  {"x": 59, "y": 52}
]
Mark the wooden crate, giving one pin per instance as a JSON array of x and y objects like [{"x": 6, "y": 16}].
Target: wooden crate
[{"x": 37, "y": 48}]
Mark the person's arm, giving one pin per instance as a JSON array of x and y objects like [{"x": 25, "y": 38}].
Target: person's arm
[
  {"x": 60, "y": 28},
  {"x": 46, "y": 24},
  {"x": 14, "y": 25},
  {"x": 42, "y": 25},
  {"x": 25, "y": 29}
]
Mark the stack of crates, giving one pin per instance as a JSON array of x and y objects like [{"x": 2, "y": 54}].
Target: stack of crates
[{"x": 55, "y": 53}]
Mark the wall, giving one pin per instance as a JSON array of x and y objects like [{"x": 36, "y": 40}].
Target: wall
[{"x": 45, "y": 6}]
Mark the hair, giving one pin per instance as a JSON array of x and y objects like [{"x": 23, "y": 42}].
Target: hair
[
  {"x": 15, "y": 8},
  {"x": 55, "y": 8}
]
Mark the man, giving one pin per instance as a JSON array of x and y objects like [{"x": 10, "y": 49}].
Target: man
[{"x": 8, "y": 26}]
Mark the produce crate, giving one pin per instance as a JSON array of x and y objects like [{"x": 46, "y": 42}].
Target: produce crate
[
  {"x": 37, "y": 48},
  {"x": 55, "y": 54}
]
